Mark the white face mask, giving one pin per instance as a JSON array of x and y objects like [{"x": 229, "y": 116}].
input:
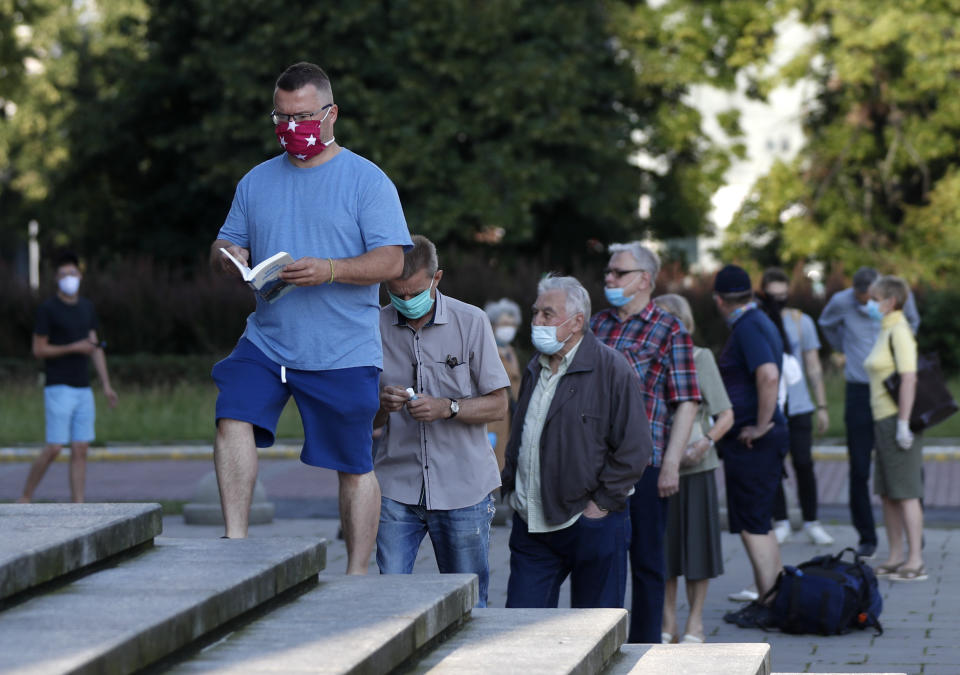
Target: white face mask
[
  {"x": 69, "y": 285},
  {"x": 504, "y": 334},
  {"x": 545, "y": 340}
]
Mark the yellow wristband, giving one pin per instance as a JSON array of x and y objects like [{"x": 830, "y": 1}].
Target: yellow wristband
[{"x": 330, "y": 260}]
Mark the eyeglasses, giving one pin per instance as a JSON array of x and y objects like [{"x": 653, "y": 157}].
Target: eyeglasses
[
  {"x": 277, "y": 118},
  {"x": 619, "y": 274}
]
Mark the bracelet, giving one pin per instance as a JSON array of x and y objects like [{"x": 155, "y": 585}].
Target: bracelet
[
  {"x": 821, "y": 407},
  {"x": 330, "y": 260}
]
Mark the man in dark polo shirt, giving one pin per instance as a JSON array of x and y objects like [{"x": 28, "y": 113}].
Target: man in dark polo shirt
[
  {"x": 65, "y": 338},
  {"x": 442, "y": 382},
  {"x": 753, "y": 449}
]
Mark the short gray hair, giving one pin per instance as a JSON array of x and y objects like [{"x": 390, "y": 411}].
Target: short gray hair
[
  {"x": 423, "y": 256},
  {"x": 679, "y": 307},
  {"x": 578, "y": 300},
  {"x": 503, "y": 307},
  {"x": 645, "y": 257}
]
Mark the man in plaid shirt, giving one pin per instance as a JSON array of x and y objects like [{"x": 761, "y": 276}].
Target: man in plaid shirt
[{"x": 659, "y": 348}]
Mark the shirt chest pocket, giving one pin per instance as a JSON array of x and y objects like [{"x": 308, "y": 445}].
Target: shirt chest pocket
[
  {"x": 645, "y": 358},
  {"x": 445, "y": 381}
]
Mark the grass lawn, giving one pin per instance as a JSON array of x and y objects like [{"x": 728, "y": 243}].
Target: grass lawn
[
  {"x": 184, "y": 412},
  {"x": 949, "y": 428}
]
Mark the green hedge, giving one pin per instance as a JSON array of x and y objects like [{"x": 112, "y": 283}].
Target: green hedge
[{"x": 192, "y": 317}]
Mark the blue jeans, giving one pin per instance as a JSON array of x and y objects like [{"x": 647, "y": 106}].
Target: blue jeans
[
  {"x": 859, "y": 422},
  {"x": 648, "y": 516},
  {"x": 592, "y": 551},
  {"x": 460, "y": 538}
]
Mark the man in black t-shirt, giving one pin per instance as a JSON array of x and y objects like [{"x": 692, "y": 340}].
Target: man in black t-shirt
[{"x": 65, "y": 337}]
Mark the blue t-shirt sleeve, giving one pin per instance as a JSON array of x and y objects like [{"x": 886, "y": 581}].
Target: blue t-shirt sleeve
[
  {"x": 380, "y": 215},
  {"x": 756, "y": 349},
  {"x": 809, "y": 339},
  {"x": 235, "y": 227}
]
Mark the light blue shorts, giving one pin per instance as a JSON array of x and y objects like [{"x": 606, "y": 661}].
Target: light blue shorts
[{"x": 69, "y": 413}]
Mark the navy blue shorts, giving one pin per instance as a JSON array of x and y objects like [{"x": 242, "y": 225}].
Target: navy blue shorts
[
  {"x": 336, "y": 406},
  {"x": 751, "y": 476}
]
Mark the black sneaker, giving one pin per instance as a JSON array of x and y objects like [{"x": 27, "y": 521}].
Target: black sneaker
[
  {"x": 754, "y": 615},
  {"x": 867, "y": 551}
]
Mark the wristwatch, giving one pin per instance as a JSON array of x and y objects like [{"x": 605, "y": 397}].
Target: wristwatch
[{"x": 454, "y": 408}]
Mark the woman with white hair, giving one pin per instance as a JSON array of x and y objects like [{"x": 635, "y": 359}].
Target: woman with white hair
[
  {"x": 692, "y": 539},
  {"x": 505, "y": 318}
]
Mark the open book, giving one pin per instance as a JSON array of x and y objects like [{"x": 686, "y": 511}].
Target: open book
[{"x": 264, "y": 279}]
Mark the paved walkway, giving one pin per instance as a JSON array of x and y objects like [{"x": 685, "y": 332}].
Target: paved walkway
[{"x": 920, "y": 619}]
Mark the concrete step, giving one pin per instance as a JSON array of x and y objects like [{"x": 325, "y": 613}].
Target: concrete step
[
  {"x": 346, "y": 625},
  {"x": 692, "y": 659},
  {"x": 125, "y": 617},
  {"x": 530, "y": 641},
  {"x": 40, "y": 542}
]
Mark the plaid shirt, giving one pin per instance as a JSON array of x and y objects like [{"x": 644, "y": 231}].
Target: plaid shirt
[{"x": 657, "y": 346}]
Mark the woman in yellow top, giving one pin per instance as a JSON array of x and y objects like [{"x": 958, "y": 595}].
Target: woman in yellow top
[{"x": 897, "y": 476}]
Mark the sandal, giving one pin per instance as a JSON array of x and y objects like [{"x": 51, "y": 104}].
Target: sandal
[
  {"x": 691, "y": 639},
  {"x": 666, "y": 638},
  {"x": 911, "y": 574},
  {"x": 887, "y": 570}
]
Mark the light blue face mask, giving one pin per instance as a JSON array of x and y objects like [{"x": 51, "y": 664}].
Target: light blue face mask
[
  {"x": 545, "y": 340},
  {"x": 873, "y": 310},
  {"x": 616, "y": 297},
  {"x": 415, "y": 307}
]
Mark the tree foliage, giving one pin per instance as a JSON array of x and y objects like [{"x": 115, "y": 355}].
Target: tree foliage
[
  {"x": 876, "y": 182},
  {"x": 512, "y": 114}
]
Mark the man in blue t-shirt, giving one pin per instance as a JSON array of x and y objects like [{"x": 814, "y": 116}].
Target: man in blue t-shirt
[
  {"x": 340, "y": 219},
  {"x": 753, "y": 449}
]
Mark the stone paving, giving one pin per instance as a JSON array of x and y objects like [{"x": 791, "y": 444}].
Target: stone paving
[{"x": 920, "y": 619}]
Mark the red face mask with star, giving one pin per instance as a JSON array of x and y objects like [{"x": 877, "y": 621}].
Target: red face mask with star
[{"x": 302, "y": 139}]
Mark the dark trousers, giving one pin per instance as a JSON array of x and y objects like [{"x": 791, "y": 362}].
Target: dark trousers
[
  {"x": 592, "y": 552},
  {"x": 859, "y": 421},
  {"x": 648, "y": 520},
  {"x": 801, "y": 456}
]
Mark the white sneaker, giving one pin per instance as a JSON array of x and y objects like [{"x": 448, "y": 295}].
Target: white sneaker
[
  {"x": 746, "y": 595},
  {"x": 781, "y": 529},
  {"x": 817, "y": 534}
]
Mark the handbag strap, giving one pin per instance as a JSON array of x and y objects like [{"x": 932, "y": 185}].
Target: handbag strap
[{"x": 893, "y": 353}]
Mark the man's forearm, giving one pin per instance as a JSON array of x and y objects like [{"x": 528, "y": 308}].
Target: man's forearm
[
  {"x": 380, "y": 264},
  {"x": 99, "y": 359},
  {"x": 683, "y": 419},
  {"x": 767, "y": 390},
  {"x": 483, "y": 409}
]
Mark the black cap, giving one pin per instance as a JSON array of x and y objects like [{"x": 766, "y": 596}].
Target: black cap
[
  {"x": 732, "y": 279},
  {"x": 863, "y": 278}
]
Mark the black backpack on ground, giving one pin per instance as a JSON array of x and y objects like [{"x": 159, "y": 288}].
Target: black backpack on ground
[{"x": 826, "y": 595}]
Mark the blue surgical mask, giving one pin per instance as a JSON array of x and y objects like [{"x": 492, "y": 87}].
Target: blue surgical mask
[
  {"x": 545, "y": 339},
  {"x": 873, "y": 310},
  {"x": 616, "y": 297},
  {"x": 415, "y": 307}
]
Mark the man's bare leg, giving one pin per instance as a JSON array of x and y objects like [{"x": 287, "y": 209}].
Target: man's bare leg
[
  {"x": 764, "y": 553},
  {"x": 360, "y": 516},
  {"x": 235, "y": 459},
  {"x": 78, "y": 471},
  {"x": 37, "y": 470}
]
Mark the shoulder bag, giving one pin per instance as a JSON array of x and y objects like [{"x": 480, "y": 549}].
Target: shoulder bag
[{"x": 933, "y": 402}]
